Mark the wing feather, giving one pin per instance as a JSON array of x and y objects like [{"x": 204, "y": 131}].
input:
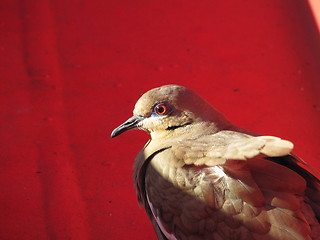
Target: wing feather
[{"x": 212, "y": 150}]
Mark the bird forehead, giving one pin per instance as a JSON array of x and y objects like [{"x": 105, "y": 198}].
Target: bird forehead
[{"x": 143, "y": 107}]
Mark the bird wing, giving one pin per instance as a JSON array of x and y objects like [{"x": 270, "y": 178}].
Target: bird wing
[
  {"x": 223, "y": 186},
  {"x": 212, "y": 150}
]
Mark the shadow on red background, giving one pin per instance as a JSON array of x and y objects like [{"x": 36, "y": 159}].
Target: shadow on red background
[{"x": 72, "y": 70}]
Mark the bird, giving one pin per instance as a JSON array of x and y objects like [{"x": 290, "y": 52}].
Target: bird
[{"x": 199, "y": 176}]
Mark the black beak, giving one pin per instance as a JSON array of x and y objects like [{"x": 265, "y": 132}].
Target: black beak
[{"x": 131, "y": 123}]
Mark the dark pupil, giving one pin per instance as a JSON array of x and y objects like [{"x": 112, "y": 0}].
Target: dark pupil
[{"x": 160, "y": 109}]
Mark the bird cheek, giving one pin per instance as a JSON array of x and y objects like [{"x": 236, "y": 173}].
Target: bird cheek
[
  {"x": 153, "y": 124},
  {"x": 145, "y": 125}
]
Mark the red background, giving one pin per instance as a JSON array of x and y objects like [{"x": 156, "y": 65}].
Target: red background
[{"x": 72, "y": 70}]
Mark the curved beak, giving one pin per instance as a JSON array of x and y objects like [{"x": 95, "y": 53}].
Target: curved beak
[{"x": 131, "y": 123}]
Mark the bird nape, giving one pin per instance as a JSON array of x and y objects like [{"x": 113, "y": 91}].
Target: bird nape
[{"x": 201, "y": 177}]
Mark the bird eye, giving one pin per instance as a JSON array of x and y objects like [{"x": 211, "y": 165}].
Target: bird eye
[{"x": 161, "y": 109}]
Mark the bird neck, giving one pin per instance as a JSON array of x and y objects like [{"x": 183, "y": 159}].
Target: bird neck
[{"x": 188, "y": 131}]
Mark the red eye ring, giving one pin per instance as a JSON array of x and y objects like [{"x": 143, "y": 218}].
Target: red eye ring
[{"x": 161, "y": 109}]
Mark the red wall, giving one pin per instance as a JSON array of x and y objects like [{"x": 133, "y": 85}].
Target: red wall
[{"x": 72, "y": 70}]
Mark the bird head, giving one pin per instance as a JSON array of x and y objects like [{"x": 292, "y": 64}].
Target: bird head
[{"x": 168, "y": 109}]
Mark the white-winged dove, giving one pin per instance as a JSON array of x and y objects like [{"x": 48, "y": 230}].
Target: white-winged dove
[{"x": 201, "y": 177}]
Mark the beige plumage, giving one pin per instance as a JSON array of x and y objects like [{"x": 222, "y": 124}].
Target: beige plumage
[{"x": 201, "y": 177}]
